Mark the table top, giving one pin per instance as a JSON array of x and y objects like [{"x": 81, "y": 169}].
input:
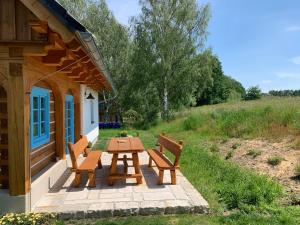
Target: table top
[{"x": 125, "y": 145}]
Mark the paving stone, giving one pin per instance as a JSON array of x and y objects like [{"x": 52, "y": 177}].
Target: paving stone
[
  {"x": 93, "y": 194},
  {"x": 124, "y": 197},
  {"x": 158, "y": 196},
  {"x": 100, "y": 210},
  {"x": 126, "y": 208},
  {"x": 152, "y": 208},
  {"x": 177, "y": 206},
  {"x": 77, "y": 195},
  {"x": 137, "y": 197},
  {"x": 178, "y": 192}
]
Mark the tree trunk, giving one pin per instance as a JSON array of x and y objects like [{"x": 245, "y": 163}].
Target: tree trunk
[{"x": 165, "y": 103}]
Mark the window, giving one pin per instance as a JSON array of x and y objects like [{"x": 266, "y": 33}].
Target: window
[
  {"x": 92, "y": 112},
  {"x": 39, "y": 117}
]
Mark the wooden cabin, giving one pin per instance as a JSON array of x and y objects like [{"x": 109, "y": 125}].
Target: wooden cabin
[{"x": 50, "y": 75}]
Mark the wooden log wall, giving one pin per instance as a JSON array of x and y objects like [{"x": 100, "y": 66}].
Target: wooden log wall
[
  {"x": 3, "y": 140},
  {"x": 42, "y": 156}
]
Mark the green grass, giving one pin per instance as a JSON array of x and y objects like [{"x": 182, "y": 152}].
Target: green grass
[
  {"x": 254, "y": 152},
  {"x": 275, "y": 160}
]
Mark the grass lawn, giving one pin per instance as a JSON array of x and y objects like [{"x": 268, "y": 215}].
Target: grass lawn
[{"x": 247, "y": 198}]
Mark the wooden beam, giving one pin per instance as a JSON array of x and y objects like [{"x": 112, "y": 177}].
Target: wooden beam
[
  {"x": 39, "y": 26},
  {"x": 18, "y": 127},
  {"x": 53, "y": 57}
]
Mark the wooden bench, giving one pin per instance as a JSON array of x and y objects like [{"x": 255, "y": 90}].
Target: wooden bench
[
  {"x": 89, "y": 164},
  {"x": 161, "y": 161}
]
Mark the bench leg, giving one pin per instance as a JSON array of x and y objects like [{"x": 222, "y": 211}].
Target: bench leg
[
  {"x": 92, "y": 182},
  {"x": 77, "y": 179},
  {"x": 173, "y": 177},
  {"x": 99, "y": 163},
  {"x": 150, "y": 162},
  {"x": 160, "y": 177},
  {"x": 125, "y": 164},
  {"x": 136, "y": 164}
]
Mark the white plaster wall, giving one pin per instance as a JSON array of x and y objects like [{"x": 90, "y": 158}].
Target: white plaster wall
[{"x": 87, "y": 128}]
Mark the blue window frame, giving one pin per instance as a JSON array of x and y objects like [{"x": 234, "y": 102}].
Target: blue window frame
[
  {"x": 69, "y": 121},
  {"x": 39, "y": 117}
]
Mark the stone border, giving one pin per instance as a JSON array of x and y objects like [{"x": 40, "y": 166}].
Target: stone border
[{"x": 108, "y": 210}]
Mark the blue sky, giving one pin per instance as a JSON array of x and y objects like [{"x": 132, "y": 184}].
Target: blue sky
[{"x": 258, "y": 42}]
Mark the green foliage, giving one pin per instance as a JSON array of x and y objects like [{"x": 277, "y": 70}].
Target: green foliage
[
  {"x": 253, "y": 93},
  {"x": 192, "y": 122},
  {"x": 229, "y": 154},
  {"x": 123, "y": 133},
  {"x": 236, "y": 145},
  {"x": 297, "y": 170},
  {"x": 166, "y": 37},
  {"x": 27, "y": 219},
  {"x": 275, "y": 160},
  {"x": 254, "y": 152},
  {"x": 214, "y": 148}
]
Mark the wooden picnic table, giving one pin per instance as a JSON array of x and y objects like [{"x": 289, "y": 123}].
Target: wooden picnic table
[{"x": 123, "y": 145}]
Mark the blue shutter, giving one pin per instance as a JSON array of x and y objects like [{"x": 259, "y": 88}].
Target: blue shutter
[{"x": 39, "y": 117}]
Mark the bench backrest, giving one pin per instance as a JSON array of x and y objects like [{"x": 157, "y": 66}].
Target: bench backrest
[
  {"x": 76, "y": 149},
  {"x": 170, "y": 145}
]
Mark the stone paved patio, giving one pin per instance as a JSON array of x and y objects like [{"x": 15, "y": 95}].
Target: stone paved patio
[{"x": 123, "y": 198}]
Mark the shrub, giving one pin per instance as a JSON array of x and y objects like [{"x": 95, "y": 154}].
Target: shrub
[
  {"x": 275, "y": 160},
  {"x": 27, "y": 219},
  {"x": 230, "y": 154},
  {"x": 254, "y": 152},
  {"x": 214, "y": 148},
  {"x": 235, "y": 145},
  {"x": 297, "y": 170},
  {"x": 123, "y": 133},
  {"x": 253, "y": 93},
  {"x": 192, "y": 122}
]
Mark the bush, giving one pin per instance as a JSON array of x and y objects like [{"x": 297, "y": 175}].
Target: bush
[
  {"x": 254, "y": 152},
  {"x": 27, "y": 219},
  {"x": 192, "y": 122},
  {"x": 230, "y": 154},
  {"x": 214, "y": 148},
  {"x": 253, "y": 93},
  {"x": 236, "y": 145},
  {"x": 123, "y": 133},
  {"x": 275, "y": 160},
  {"x": 297, "y": 170}
]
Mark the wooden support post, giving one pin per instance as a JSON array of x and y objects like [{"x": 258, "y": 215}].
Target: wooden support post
[{"x": 18, "y": 131}]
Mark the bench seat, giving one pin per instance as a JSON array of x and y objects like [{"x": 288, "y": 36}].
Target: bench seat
[
  {"x": 90, "y": 162},
  {"x": 160, "y": 160}
]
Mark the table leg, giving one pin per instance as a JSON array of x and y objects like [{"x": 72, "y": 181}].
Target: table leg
[
  {"x": 113, "y": 168},
  {"x": 136, "y": 164}
]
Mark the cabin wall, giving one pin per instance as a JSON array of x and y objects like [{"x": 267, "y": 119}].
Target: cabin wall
[
  {"x": 59, "y": 86},
  {"x": 15, "y": 21},
  {"x": 90, "y": 126},
  {"x": 43, "y": 155}
]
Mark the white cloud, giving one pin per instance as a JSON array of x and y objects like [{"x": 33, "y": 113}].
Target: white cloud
[
  {"x": 287, "y": 75},
  {"x": 296, "y": 60},
  {"x": 293, "y": 28},
  {"x": 266, "y": 82}
]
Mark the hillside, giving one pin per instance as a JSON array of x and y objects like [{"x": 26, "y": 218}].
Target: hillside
[{"x": 222, "y": 142}]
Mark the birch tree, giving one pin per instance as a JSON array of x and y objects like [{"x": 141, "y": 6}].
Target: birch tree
[{"x": 173, "y": 31}]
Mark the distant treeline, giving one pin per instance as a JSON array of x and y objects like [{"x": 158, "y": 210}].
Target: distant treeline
[{"x": 285, "y": 93}]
